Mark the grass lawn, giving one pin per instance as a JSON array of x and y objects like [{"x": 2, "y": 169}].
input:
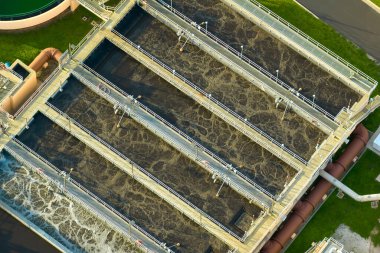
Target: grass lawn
[
  {"x": 26, "y": 45},
  {"x": 360, "y": 217},
  {"x": 326, "y": 35},
  {"x": 377, "y": 2}
]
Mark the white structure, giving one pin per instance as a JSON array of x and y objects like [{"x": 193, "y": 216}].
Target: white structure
[
  {"x": 376, "y": 143},
  {"x": 328, "y": 245}
]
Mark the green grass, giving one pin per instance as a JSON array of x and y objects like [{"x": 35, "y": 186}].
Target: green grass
[
  {"x": 360, "y": 217},
  {"x": 26, "y": 45},
  {"x": 377, "y": 2},
  {"x": 326, "y": 35}
]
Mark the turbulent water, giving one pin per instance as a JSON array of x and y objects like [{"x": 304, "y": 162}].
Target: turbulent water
[
  {"x": 63, "y": 219},
  {"x": 224, "y": 84},
  {"x": 207, "y": 128},
  {"x": 270, "y": 53},
  {"x": 118, "y": 189},
  {"x": 155, "y": 155}
]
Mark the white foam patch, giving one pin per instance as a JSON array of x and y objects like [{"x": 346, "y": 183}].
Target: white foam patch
[{"x": 353, "y": 242}]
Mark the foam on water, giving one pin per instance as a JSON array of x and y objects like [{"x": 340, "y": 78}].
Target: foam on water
[{"x": 63, "y": 219}]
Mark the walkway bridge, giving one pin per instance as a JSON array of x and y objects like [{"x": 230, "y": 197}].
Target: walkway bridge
[
  {"x": 279, "y": 209},
  {"x": 141, "y": 175},
  {"x": 173, "y": 136},
  {"x": 304, "y": 44},
  {"x": 247, "y": 69},
  {"x": 96, "y": 8},
  {"x": 204, "y": 99},
  {"x": 82, "y": 196}
]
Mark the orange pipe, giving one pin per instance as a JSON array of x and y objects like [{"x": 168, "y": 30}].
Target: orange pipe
[
  {"x": 303, "y": 209},
  {"x": 45, "y": 55},
  {"x": 14, "y": 102}
]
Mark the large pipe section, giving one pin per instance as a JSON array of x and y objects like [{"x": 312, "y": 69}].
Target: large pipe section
[
  {"x": 14, "y": 102},
  {"x": 45, "y": 55},
  {"x": 303, "y": 209}
]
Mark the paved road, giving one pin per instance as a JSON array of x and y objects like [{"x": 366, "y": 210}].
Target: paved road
[{"x": 352, "y": 18}]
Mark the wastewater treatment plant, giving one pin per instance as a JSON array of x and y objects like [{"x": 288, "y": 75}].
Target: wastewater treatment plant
[{"x": 176, "y": 126}]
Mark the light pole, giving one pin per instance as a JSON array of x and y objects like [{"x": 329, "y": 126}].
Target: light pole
[
  {"x": 174, "y": 245},
  {"x": 204, "y": 22},
  {"x": 196, "y": 151},
  {"x": 133, "y": 175},
  {"x": 277, "y": 75},
  {"x": 220, "y": 188},
  {"x": 171, "y": 5},
  {"x": 124, "y": 111},
  {"x": 131, "y": 223},
  {"x": 313, "y": 99},
  {"x": 67, "y": 176},
  {"x": 181, "y": 49},
  {"x": 241, "y": 52},
  {"x": 298, "y": 92},
  {"x": 286, "y": 108}
]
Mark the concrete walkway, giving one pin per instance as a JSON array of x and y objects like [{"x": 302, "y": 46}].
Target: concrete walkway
[
  {"x": 153, "y": 184},
  {"x": 174, "y": 139},
  {"x": 170, "y": 136},
  {"x": 91, "y": 204},
  {"x": 353, "y": 18},
  {"x": 253, "y": 75}
]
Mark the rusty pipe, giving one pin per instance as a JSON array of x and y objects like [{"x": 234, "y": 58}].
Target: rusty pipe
[
  {"x": 14, "y": 102},
  {"x": 303, "y": 209},
  {"x": 45, "y": 55}
]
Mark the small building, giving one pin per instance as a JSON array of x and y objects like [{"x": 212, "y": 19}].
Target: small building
[{"x": 327, "y": 245}]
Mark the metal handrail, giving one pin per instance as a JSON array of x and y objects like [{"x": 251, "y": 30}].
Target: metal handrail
[
  {"x": 140, "y": 168},
  {"x": 247, "y": 60},
  {"x": 308, "y": 38},
  {"x": 119, "y": 5},
  {"x": 94, "y": 9},
  {"x": 91, "y": 194},
  {"x": 258, "y": 130},
  {"x": 15, "y": 74},
  {"x": 85, "y": 38},
  {"x": 316, "y": 43},
  {"x": 197, "y": 144},
  {"x": 36, "y": 93}
]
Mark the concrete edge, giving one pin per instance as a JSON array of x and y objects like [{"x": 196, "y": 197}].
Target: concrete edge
[
  {"x": 306, "y": 9},
  {"x": 34, "y": 228},
  {"x": 372, "y": 5}
]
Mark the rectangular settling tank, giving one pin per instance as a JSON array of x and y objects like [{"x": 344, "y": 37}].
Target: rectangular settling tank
[
  {"x": 225, "y": 85},
  {"x": 117, "y": 188},
  {"x": 186, "y": 114},
  {"x": 156, "y": 156},
  {"x": 270, "y": 53},
  {"x": 63, "y": 219}
]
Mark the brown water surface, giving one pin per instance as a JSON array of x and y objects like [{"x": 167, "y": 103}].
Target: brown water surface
[
  {"x": 224, "y": 84},
  {"x": 270, "y": 53},
  {"x": 211, "y": 131},
  {"x": 117, "y": 188},
  {"x": 155, "y": 155}
]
